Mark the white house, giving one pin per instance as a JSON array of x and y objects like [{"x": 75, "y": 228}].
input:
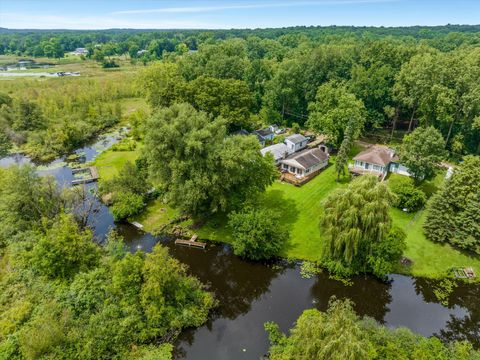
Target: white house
[
  {"x": 378, "y": 160},
  {"x": 296, "y": 143},
  {"x": 305, "y": 162},
  {"x": 278, "y": 151},
  {"x": 80, "y": 51}
]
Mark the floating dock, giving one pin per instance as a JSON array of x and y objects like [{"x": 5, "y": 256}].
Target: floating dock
[{"x": 192, "y": 242}]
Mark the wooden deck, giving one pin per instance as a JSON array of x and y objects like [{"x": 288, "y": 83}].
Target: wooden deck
[
  {"x": 92, "y": 170},
  {"x": 192, "y": 242},
  {"x": 292, "y": 179}
]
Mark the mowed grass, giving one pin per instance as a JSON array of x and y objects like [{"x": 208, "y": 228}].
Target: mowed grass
[
  {"x": 156, "y": 214},
  {"x": 430, "y": 259},
  {"x": 110, "y": 162},
  {"x": 300, "y": 210}
]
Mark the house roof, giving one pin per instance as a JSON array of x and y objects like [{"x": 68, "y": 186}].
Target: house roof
[
  {"x": 264, "y": 132},
  {"x": 378, "y": 155},
  {"x": 296, "y": 138},
  {"x": 307, "y": 158},
  {"x": 241, "y": 132},
  {"x": 278, "y": 150}
]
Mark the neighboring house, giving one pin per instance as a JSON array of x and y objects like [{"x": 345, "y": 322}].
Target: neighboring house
[
  {"x": 80, "y": 51},
  {"x": 296, "y": 143},
  {"x": 264, "y": 135},
  {"x": 278, "y": 151},
  {"x": 378, "y": 160},
  {"x": 141, "y": 52},
  {"x": 305, "y": 163},
  {"x": 241, "y": 132}
]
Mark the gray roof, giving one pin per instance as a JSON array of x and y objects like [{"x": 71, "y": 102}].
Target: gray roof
[
  {"x": 278, "y": 151},
  {"x": 378, "y": 155},
  {"x": 296, "y": 138},
  {"x": 264, "y": 132},
  {"x": 306, "y": 158}
]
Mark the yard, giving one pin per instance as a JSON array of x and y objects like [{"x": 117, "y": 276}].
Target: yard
[{"x": 300, "y": 208}]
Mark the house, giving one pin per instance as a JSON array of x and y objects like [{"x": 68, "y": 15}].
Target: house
[
  {"x": 264, "y": 135},
  {"x": 378, "y": 160},
  {"x": 141, "y": 52},
  {"x": 296, "y": 143},
  {"x": 80, "y": 51},
  {"x": 305, "y": 163},
  {"x": 278, "y": 151},
  {"x": 242, "y": 132}
]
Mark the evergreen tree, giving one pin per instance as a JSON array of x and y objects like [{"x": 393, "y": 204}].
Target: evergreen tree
[{"x": 453, "y": 212}]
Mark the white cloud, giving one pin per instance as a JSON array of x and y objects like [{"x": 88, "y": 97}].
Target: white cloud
[
  {"x": 202, "y": 9},
  {"x": 24, "y": 21}
]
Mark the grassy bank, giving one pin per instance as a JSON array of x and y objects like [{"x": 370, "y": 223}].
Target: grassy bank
[{"x": 300, "y": 209}]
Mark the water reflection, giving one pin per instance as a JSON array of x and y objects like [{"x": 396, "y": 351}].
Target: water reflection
[{"x": 251, "y": 294}]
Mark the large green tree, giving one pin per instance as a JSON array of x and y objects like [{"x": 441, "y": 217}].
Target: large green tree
[
  {"x": 334, "y": 109},
  {"x": 422, "y": 151},
  {"x": 229, "y": 98},
  {"x": 356, "y": 221},
  {"x": 453, "y": 213},
  {"x": 198, "y": 166},
  {"x": 258, "y": 233}
]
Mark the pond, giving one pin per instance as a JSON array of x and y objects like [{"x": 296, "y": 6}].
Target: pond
[
  {"x": 25, "y": 65},
  {"x": 251, "y": 294}
]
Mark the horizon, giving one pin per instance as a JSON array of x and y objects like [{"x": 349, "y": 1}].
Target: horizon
[{"x": 240, "y": 14}]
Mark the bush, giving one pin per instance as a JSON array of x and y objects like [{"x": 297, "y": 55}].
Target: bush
[
  {"x": 109, "y": 64},
  {"x": 126, "y": 204},
  {"x": 257, "y": 233},
  {"x": 407, "y": 195}
]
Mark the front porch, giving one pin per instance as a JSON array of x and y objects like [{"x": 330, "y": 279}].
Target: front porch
[{"x": 356, "y": 171}]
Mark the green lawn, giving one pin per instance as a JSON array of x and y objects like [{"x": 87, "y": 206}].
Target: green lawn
[
  {"x": 300, "y": 209},
  {"x": 110, "y": 162},
  {"x": 429, "y": 259}
]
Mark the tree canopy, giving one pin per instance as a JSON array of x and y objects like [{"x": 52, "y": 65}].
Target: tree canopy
[
  {"x": 199, "y": 167},
  {"x": 355, "y": 223},
  {"x": 338, "y": 333},
  {"x": 453, "y": 213}
]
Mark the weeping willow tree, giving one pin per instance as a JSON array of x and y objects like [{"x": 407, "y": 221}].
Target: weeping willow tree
[{"x": 355, "y": 225}]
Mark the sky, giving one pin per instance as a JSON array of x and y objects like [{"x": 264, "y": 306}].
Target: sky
[{"x": 218, "y": 14}]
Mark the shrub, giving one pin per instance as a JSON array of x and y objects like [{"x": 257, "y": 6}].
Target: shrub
[
  {"x": 407, "y": 195},
  {"x": 126, "y": 204},
  {"x": 257, "y": 233}
]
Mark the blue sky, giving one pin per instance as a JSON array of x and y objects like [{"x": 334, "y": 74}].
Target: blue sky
[{"x": 214, "y": 14}]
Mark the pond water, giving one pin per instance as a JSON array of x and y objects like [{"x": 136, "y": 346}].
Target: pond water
[
  {"x": 251, "y": 294},
  {"x": 25, "y": 65}
]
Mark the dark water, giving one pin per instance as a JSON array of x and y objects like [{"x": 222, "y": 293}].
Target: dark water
[
  {"x": 251, "y": 294},
  {"x": 25, "y": 65}
]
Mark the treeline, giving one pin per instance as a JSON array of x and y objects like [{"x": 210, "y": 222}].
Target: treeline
[
  {"x": 50, "y": 117},
  {"x": 66, "y": 297},
  {"x": 40, "y": 43}
]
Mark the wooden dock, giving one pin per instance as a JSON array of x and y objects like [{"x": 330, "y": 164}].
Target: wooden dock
[
  {"x": 192, "y": 242},
  {"x": 92, "y": 178}
]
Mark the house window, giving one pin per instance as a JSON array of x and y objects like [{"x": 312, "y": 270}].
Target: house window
[
  {"x": 292, "y": 169},
  {"x": 285, "y": 166},
  {"x": 299, "y": 171},
  {"x": 307, "y": 171}
]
